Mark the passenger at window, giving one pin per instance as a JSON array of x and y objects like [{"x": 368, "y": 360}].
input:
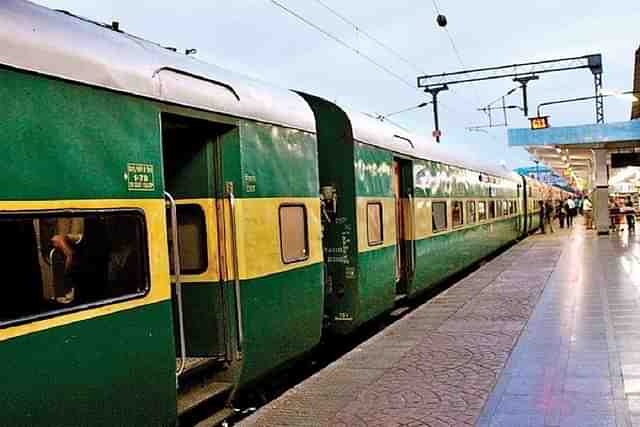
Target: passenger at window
[
  {"x": 85, "y": 261},
  {"x": 122, "y": 271}
]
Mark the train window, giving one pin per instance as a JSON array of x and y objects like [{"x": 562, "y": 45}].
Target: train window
[
  {"x": 471, "y": 212},
  {"x": 513, "y": 207},
  {"x": 294, "y": 242},
  {"x": 499, "y": 210},
  {"x": 439, "y": 216},
  {"x": 71, "y": 260},
  {"x": 192, "y": 239},
  {"x": 492, "y": 209},
  {"x": 505, "y": 208},
  {"x": 457, "y": 214},
  {"x": 374, "y": 223},
  {"x": 482, "y": 211}
]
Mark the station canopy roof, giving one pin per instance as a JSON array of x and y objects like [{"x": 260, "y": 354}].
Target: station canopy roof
[{"x": 568, "y": 149}]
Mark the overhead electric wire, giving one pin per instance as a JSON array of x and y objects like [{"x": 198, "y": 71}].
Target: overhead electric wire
[
  {"x": 351, "y": 48},
  {"x": 455, "y": 48},
  {"x": 453, "y": 43},
  {"x": 458, "y": 55},
  {"x": 381, "y": 44},
  {"x": 369, "y": 36},
  {"x": 397, "y": 125},
  {"x": 344, "y": 44},
  {"x": 509, "y": 92},
  {"x": 435, "y": 6}
]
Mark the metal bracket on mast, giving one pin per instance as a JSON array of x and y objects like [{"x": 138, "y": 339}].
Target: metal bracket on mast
[{"x": 434, "y": 90}]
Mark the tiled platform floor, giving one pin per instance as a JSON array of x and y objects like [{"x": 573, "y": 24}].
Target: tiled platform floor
[
  {"x": 568, "y": 302},
  {"x": 577, "y": 363}
]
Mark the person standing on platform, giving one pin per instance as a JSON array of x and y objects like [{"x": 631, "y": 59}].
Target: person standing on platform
[
  {"x": 571, "y": 211},
  {"x": 612, "y": 216},
  {"x": 587, "y": 209},
  {"x": 630, "y": 215},
  {"x": 579, "y": 206},
  {"x": 548, "y": 215},
  {"x": 560, "y": 213},
  {"x": 541, "y": 214}
]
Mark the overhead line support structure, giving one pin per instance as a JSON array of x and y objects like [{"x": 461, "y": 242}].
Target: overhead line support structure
[
  {"x": 522, "y": 73},
  {"x": 434, "y": 91}
]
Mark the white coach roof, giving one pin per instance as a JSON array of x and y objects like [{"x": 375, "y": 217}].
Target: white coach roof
[
  {"x": 369, "y": 130},
  {"x": 57, "y": 44}
]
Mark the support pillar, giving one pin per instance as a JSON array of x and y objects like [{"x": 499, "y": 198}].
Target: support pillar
[{"x": 601, "y": 192}]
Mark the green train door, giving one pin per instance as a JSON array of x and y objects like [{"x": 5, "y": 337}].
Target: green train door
[
  {"x": 403, "y": 194},
  {"x": 204, "y": 305}
]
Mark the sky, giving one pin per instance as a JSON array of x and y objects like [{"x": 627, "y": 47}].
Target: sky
[{"x": 260, "y": 39}]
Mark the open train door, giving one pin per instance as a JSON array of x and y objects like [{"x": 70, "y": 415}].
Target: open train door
[
  {"x": 201, "y": 235},
  {"x": 405, "y": 245}
]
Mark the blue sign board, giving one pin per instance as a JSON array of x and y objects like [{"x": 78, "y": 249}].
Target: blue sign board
[
  {"x": 543, "y": 174},
  {"x": 583, "y": 134}
]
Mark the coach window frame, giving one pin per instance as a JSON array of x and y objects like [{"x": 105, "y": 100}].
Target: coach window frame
[
  {"x": 484, "y": 209},
  {"x": 471, "y": 213},
  {"x": 462, "y": 222},
  {"x": 145, "y": 272},
  {"x": 284, "y": 258},
  {"x": 202, "y": 230},
  {"x": 379, "y": 241},
  {"x": 446, "y": 214},
  {"x": 491, "y": 209}
]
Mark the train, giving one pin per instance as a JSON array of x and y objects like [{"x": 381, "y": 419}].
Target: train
[{"x": 187, "y": 231}]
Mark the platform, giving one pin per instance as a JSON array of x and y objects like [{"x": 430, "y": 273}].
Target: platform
[{"x": 546, "y": 334}]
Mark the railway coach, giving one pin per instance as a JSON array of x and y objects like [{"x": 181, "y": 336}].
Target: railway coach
[
  {"x": 179, "y": 232},
  {"x": 401, "y": 213},
  {"x": 163, "y": 220}
]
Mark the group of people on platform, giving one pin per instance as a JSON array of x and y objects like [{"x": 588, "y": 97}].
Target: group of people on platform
[
  {"x": 621, "y": 210},
  {"x": 565, "y": 211}
]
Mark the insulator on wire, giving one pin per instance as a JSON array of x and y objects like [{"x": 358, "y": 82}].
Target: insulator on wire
[{"x": 441, "y": 20}]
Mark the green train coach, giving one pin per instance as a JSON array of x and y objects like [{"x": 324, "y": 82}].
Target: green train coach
[
  {"x": 404, "y": 214},
  {"x": 178, "y": 232}
]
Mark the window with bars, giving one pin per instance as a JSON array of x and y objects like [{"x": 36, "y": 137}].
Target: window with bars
[
  {"x": 482, "y": 211},
  {"x": 439, "y": 216},
  {"x": 457, "y": 213},
  {"x": 471, "y": 212}
]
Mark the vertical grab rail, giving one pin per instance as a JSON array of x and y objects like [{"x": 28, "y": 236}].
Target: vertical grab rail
[
  {"x": 236, "y": 269},
  {"x": 412, "y": 258},
  {"x": 176, "y": 271}
]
